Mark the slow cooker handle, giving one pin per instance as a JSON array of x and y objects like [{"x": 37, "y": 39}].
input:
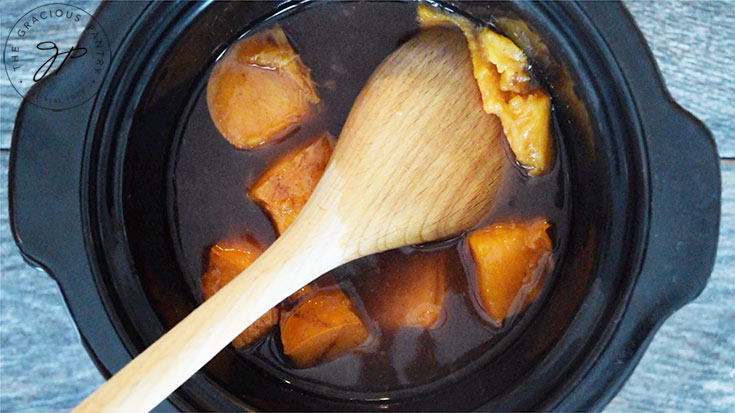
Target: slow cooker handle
[
  {"x": 685, "y": 211},
  {"x": 684, "y": 219},
  {"x": 43, "y": 184},
  {"x": 45, "y": 166},
  {"x": 682, "y": 243}
]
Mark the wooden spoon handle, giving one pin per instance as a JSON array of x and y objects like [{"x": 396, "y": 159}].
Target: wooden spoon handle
[{"x": 290, "y": 263}]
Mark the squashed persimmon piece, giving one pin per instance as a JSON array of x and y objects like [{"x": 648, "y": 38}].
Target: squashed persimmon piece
[
  {"x": 408, "y": 291},
  {"x": 528, "y": 118},
  {"x": 500, "y": 68},
  {"x": 227, "y": 259},
  {"x": 259, "y": 90},
  {"x": 320, "y": 328},
  {"x": 511, "y": 260},
  {"x": 287, "y": 184}
]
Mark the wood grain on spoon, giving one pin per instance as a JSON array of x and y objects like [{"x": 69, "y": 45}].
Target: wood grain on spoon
[{"x": 418, "y": 160}]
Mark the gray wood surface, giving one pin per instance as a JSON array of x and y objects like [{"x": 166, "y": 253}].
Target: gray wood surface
[
  {"x": 694, "y": 45},
  {"x": 689, "y": 366}
]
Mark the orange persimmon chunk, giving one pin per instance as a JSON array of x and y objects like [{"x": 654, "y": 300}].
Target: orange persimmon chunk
[
  {"x": 511, "y": 261},
  {"x": 320, "y": 328},
  {"x": 408, "y": 291},
  {"x": 227, "y": 259},
  {"x": 259, "y": 90},
  {"x": 286, "y": 186}
]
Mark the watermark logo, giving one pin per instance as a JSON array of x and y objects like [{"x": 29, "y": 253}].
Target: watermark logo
[{"x": 44, "y": 46}]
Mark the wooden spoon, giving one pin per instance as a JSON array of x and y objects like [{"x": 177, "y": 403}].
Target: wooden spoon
[{"x": 418, "y": 160}]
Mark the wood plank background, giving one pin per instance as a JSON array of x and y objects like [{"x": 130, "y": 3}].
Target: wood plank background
[{"x": 690, "y": 365}]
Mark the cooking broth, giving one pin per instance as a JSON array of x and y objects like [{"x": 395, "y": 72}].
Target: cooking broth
[{"x": 342, "y": 43}]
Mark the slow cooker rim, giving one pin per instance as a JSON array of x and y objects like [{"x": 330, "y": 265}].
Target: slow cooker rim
[
  {"x": 640, "y": 210},
  {"x": 96, "y": 257},
  {"x": 154, "y": 20}
]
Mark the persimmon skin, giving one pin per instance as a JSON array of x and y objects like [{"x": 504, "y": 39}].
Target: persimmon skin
[
  {"x": 511, "y": 260},
  {"x": 283, "y": 189},
  {"x": 260, "y": 90},
  {"x": 321, "y": 327},
  {"x": 227, "y": 259}
]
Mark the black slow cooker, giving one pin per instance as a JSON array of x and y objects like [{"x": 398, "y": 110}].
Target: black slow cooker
[{"x": 89, "y": 189}]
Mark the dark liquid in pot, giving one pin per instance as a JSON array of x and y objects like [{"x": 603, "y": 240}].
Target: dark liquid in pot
[{"x": 342, "y": 43}]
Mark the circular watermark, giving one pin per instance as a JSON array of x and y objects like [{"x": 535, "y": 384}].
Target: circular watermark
[{"x": 44, "y": 46}]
